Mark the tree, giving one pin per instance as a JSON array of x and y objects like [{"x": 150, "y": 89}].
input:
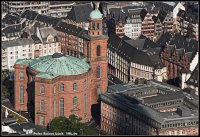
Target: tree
[
  {"x": 60, "y": 124},
  {"x": 71, "y": 124}
]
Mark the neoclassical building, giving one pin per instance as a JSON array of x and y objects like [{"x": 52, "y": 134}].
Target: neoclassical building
[{"x": 59, "y": 84}]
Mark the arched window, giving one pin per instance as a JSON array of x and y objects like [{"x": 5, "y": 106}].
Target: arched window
[
  {"x": 85, "y": 84},
  {"x": 75, "y": 86},
  {"x": 75, "y": 101},
  {"x": 93, "y": 26},
  {"x": 54, "y": 106},
  {"x": 42, "y": 120},
  {"x": 42, "y": 90},
  {"x": 98, "y": 50},
  {"x": 85, "y": 103},
  {"x": 98, "y": 71},
  {"x": 21, "y": 98},
  {"x": 42, "y": 106},
  {"x": 98, "y": 91},
  {"x": 97, "y": 25},
  {"x": 21, "y": 75},
  {"x": 62, "y": 87},
  {"x": 62, "y": 107},
  {"x": 54, "y": 89}
]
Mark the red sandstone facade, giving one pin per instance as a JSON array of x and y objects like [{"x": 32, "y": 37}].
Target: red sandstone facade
[
  {"x": 96, "y": 52},
  {"x": 174, "y": 65}
]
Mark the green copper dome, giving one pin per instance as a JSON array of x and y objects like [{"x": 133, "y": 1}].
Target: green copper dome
[
  {"x": 51, "y": 66},
  {"x": 96, "y": 14}
]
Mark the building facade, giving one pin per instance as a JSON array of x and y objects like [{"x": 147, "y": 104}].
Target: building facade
[
  {"x": 55, "y": 9},
  {"x": 13, "y": 50},
  {"x": 148, "y": 26},
  {"x": 48, "y": 77},
  {"x": 153, "y": 108}
]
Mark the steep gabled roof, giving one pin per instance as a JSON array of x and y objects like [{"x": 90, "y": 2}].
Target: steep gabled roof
[
  {"x": 35, "y": 39},
  {"x": 188, "y": 56},
  {"x": 161, "y": 15},
  {"x": 28, "y": 14},
  {"x": 10, "y": 19},
  {"x": 80, "y": 13},
  {"x": 194, "y": 78},
  {"x": 164, "y": 38},
  {"x": 180, "y": 42},
  {"x": 69, "y": 29},
  {"x": 180, "y": 53},
  {"x": 48, "y": 19},
  {"x": 143, "y": 13}
]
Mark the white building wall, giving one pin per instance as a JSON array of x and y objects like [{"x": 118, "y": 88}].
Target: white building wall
[
  {"x": 194, "y": 62},
  {"x": 176, "y": 9},
  {"x": 18, "y": 52}
]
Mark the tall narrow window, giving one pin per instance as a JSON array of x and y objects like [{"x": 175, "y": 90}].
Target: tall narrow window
[
  {"x": 85, "y": 84},
  {"x": 97, "y": 25},
  {"x": 62, "y": 107},
  {"x": 54, "y": 89},
  {"x": 93, "y": 26},
  {"x": 98, "y": 50},
  {"x": 75, "y": 86},
  {"x": 21, "y": 75},
  {"x": 98, "y": 91},
  {"x": 54, "y": 106},
  {"x": 21, "y": 95},
  {"x": 62, "y": 87},
  {"x": 42, "y": 105},
  {"x": 85, "y": 103},
  {"x": 98, "y": 71},
  {"x": 42, "y": 120},
  {"x": 75, "y": 101},
  {"x": 42, "y": 90}
]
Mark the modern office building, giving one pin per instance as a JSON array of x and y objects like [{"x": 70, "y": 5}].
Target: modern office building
[{"x": 149, "y": 108}]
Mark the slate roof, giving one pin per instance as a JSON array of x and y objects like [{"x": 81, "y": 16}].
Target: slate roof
[
  {"x": 155, "y": 10},
  {"x": 188, "y": 15},
  {"x": 146, "y": 42},
  {"x": 118, "y": 14},
  {"x": 80, "y": 13},
  {"x": 10, "y": 19},
  {"x": 180, "y": 53},
  {"x": 163, "y": 39},
  {"x": 17, "y": 42},
  {"x": 189, "y": 56},
  {"x": 180, "y": 42},
  {"x": 35, "y": 39},
  {"x": 185, "y": 70},
  {"x": 143, "y": 13},
  {"x": 48, "y": 19},
  {"x": 11, "y": 31},
  {"x": 28, "y": 14},
  {"x": 161, "y": 15},
  {"x": 127, "y": 49},
  {"x": 194, "y": 78},
  {"x": 18, "y": 127},
  {"x": 46, "y": 31},
  {"x": 70, "y": 29},
  {"x": 171, "y": 49},
  {"x": 154, "y": 18}
]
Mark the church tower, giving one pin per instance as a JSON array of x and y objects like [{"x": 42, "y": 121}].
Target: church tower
[{"x": 97, "y": 54}]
